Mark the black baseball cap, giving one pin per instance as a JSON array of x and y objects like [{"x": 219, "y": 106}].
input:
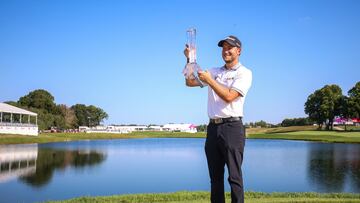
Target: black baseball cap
[{"x": 232, "y": 40}]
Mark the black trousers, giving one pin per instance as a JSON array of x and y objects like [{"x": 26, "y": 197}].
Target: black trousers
[{"x": 225, "y": 145}]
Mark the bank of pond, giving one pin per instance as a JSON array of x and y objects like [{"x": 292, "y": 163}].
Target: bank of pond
[{"x": 203, "y": 197}]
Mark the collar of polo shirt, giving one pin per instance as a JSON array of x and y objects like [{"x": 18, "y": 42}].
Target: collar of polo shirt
[{"x": 234, "y": 68}]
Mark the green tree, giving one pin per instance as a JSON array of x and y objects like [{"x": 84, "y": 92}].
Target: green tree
[
  {"x": 261, "y": 123},
  {"x": 331, "y": 103},
  {"x": 312, "y": 108},
  {"x": 45, "y": 119},
  {"x": 354, "y": 100},
  {"x": 88, "y": 115},
  {"x": 323, "y": 105},
  {"x": 40, "y": 99},
  {"x": 81, "y": 115},
  {"x": 201, "y": 128},
  {"x": 344, "y": 110},
  {"x": 296, "y": 122},
  {"x": 13, "y": 103},
  {"x": 96, "y": 114}
]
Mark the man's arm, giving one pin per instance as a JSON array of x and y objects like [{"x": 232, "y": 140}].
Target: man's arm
[{"x": 226, "y": 94}]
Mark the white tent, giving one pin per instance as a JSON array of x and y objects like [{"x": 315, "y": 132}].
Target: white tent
[
  {"x": 15, "y": 110},
  {"x": 190, "y": 128},
  {"x": 20, "y": 127}
]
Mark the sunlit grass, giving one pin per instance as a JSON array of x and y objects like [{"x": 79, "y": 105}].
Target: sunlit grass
[
  {"x": 204, "y": 197},
  {"x": 321, "y": 136},
  {"x": 65, "y": 137},
  {"x": 280, "y": 129},
  {"x": 349, "y": 127}
]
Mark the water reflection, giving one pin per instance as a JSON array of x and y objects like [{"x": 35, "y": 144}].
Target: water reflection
[
  {"x": 331, "y": 165},
  {"x": 17, "y": 161},
  {"x": 36, "y": 166},
  {"x": 355, "y": 169}
]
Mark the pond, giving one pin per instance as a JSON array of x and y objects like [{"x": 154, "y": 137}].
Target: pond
[{"x": 55, "y": 171}]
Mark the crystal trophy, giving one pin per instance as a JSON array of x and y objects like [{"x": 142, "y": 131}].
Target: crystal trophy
[{"x": 191, "y": 69}]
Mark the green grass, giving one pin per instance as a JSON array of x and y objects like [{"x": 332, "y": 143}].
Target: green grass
[
  {"x": 349, "y": 127},
  {"x": 204, "y": 197},
  {"x": 65, "y": 137},
  {"x": 320, "y": 136},
  {"x": 280, "y": 129}
]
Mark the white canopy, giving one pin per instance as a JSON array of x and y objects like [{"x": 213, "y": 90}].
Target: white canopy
[{"x": 6, "y": 108}]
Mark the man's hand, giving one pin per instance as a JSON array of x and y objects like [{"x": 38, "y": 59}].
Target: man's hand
[
  {"x": 187, "y": 51},
  {"x": 205, "y": 76},
  {"x": 190, "y": 81},
  {"x": 225, "y": 93}
]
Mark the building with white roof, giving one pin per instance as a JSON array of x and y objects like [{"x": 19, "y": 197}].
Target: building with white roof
[
  {"x": 189, "y": 128},
  {"x": 14, "y": 120}
]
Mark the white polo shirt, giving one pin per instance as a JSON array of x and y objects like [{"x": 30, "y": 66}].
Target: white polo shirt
[{"x": 238, "y": 78}]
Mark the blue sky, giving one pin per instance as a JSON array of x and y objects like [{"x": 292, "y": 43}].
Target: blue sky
[{"x": 126, "y": 56}]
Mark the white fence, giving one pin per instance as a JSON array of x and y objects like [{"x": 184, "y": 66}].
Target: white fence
[{"x": 19, "y": 129}]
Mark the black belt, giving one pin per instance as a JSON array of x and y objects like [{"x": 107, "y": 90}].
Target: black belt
[{"x": 225, "y": 120}]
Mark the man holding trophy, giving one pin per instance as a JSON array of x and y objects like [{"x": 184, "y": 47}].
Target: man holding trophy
[{"x": 227, "y": 89}]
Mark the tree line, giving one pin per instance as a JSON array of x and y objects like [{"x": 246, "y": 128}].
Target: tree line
[
  {"x": 296, "y": 122},
  {"x": 60, "y": 116},
  {"x": 326, "y": 103},
  {"x": 261, "y": 123}
]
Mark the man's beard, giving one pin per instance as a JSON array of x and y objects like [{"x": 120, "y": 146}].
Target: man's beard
[{"x": 228, "y": 60}]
